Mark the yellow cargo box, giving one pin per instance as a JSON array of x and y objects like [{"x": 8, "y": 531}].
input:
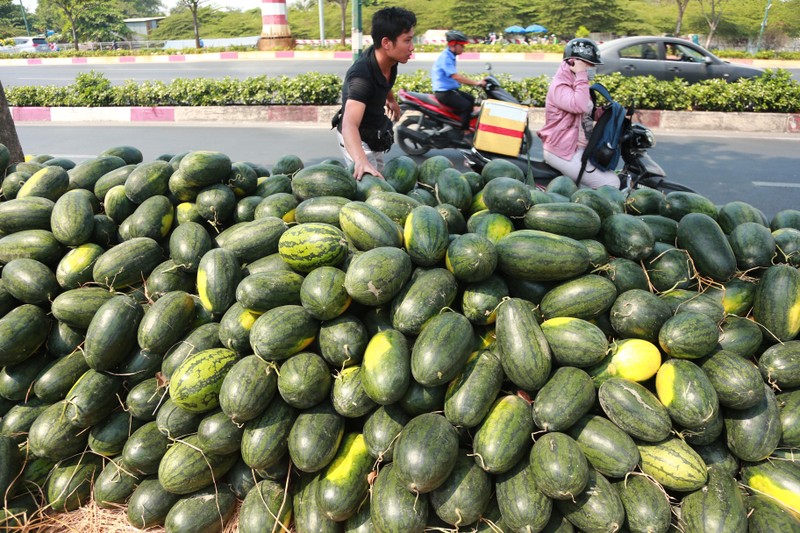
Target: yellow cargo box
[{"x": 501, "y": 127}]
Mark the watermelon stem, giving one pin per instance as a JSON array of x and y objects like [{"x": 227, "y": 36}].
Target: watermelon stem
[
  {"x": 480, "y": 457},
  {"x": 276, "y": 516}
]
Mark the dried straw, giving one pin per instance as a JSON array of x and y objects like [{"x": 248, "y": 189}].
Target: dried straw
[{"x": 92, "y": 519}]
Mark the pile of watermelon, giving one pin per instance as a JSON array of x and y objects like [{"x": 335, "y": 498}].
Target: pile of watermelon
[{"x": 197, "y": 339}]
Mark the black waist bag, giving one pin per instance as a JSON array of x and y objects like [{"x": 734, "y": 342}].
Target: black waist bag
[{"x": 381, "y": 139}]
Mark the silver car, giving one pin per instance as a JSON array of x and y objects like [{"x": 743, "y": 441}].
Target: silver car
[
  {"x": 667, "y": 58},
  {"x": 27, "y": 44}
]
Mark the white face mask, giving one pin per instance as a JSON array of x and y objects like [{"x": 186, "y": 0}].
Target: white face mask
[{"x": 591, "y": 72}]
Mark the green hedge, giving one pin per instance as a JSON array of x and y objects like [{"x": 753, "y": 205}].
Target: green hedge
[
  {"x": 774, "y": 92},
  {"x": 92, "y": 89}
]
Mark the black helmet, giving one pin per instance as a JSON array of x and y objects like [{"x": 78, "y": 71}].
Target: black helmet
[
  {"x": 457, "y": 36},
  {"x": 584, "y": 49}
]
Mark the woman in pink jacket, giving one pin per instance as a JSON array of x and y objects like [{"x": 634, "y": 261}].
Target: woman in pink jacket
[{"x": 568, "y": 116}]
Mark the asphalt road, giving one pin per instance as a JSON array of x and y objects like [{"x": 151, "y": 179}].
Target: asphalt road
[
  {"x": 759, "y": 169},
  {"x": 61, "y": 75}
]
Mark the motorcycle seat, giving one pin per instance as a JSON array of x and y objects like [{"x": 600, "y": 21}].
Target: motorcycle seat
[
  {"x": 427, "y": 98},
  {"x": 538, "y": 168}
]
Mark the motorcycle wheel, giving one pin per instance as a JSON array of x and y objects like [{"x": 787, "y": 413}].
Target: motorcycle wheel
[{"x": 407, "y": 144}]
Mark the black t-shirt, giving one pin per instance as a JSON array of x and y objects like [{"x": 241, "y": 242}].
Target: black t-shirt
[{"x": 364, "y": 82}]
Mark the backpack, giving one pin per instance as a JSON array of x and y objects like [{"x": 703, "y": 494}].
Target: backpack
[{"x": 604, "y": 145}]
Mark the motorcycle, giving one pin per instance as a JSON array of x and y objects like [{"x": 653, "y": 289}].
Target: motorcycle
[
  {"x": 432, "y": 125},
  {"x": 638, "y": 170}
]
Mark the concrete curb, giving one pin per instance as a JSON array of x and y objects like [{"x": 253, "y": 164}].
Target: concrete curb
[
  {"x": 313, "y": 55},
  {"x": 321, "y": 115}
]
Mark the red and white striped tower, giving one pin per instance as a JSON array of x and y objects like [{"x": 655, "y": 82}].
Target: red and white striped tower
[{"x": 275, "y": 31}]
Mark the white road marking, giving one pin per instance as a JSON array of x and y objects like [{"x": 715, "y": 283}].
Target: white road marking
[{"x": 775, "y": 184}]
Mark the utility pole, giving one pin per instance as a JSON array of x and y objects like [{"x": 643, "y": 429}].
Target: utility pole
[
  {"x": 25, "y": 18},
  {"x": 763, "y": 25},
  {"x": 322, "y": 22},
  {"x": 356, "y": 32}
]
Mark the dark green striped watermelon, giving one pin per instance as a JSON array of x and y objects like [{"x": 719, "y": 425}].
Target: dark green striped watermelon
[
  {"x": 186, "y": 469},
  {"x": 540, "y": 256},
  {"x": 425, "y": 236},
  {"x": 425, "y": 453},
  {"x": 308, "y": 246},
  {"x": 195, "y": 384}
]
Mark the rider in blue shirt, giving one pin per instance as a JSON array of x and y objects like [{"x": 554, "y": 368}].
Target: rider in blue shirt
[{"x": 446, "y": 80}]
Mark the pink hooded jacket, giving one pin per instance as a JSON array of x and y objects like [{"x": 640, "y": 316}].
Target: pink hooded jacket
[{"x": 567, "y": 102}]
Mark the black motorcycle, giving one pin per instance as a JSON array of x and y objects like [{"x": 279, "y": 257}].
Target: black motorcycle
[{"x": 638, "y": 170}]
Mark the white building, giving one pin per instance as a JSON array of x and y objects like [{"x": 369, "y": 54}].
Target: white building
[{"x": 142, "y": 26}]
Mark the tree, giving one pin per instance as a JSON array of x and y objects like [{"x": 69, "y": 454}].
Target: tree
[
  {"x": 11, "y": 21},
  {"x": 193, "y": 6},
  {"x": 67, "y": 14},
  {"x": 681, "y": 10},
  {"x": 713, "y": 15},
  {"x": 343, "y": 9},
  {"x": 478, "y": 17},
  {"x": 741, "y": 23},
  {"x": 140, "y": 8},
  {"x": 215, "y": 23},
  {"x": 102, "y": 24},
  {"x": 8, "y": 132},
  {"x": 564, "y": 18}
]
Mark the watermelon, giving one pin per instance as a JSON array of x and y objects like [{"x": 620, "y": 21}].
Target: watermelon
[
  {"x": 343, "y": 484},
  {"x": 540, "y": 256},
  {"x": 307, "y": 246},
  {"x": 196, "y": 383},
  {"x": 323, "y": 179},
  {"x": 376, "y": 276},
  {"x": 559, "y": 465},
  {"x": 471, "y": 257},
  {"x": 393, "y": 507},
  {"x": 777, "y": 302},
  {"x": 465, "y": 494},
  {"x": 674, "y": 464},
  {"x": 425, "y": 236},
  {"x": 504, "y": 437},
  {"x": 186, "y": 469},
  {"x": 421, "y": 466}
]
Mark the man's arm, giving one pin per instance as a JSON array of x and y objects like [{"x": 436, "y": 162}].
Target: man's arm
[
  {"x": 463, "y": 80},
  {"x": 351, "y": 120},
  {"x": 392, "y": 107}
]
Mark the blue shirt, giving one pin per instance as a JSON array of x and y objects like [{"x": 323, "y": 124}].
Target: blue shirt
[{"x": 442, "y": 70}]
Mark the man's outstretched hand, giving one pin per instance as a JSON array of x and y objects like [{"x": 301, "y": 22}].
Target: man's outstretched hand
[{"x": 363, "y": 166}]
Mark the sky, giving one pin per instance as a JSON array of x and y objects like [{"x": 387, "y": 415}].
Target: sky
[{"x": 242, "y": 5}]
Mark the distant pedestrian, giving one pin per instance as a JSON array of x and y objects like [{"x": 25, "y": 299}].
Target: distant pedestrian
[{"x": 114, "y": 45}]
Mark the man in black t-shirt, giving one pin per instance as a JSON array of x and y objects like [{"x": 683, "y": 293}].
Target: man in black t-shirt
[{"x": 367, "y": 97}]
